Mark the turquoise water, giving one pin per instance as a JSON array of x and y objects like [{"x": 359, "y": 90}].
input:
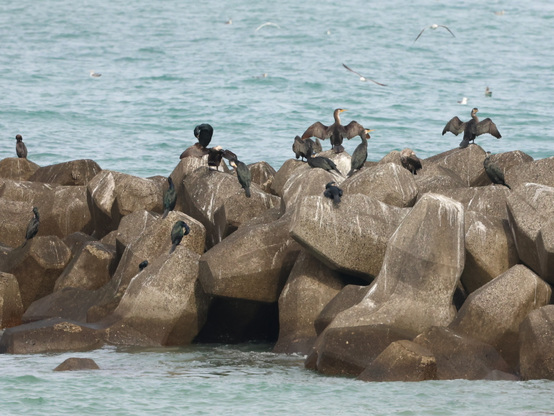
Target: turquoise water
[{"x": 168, "y": 66}]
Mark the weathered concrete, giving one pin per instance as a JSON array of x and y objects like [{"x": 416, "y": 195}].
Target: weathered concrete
[
  {"x": 531, "y": 214},
  {"x": 14, "y": 218},
  {"x": 11, "y": 308},
  {"x": 467, "y": 163},
  {"x": 349, "y": 350},
  {"x": 389, "y": 183},
  {"x": 112, "y": 195},
  {"x": 51, "y": 335},
  {"x": 490, "y": 249},
  {"x": 131, "y": 228},
  {"x": 163, "y": 305},
  {"x": 350, "y": 238},
  {"x": 63, "y": 209},
  {"x": 487, "y": 200},
  {"x": 17, "y": 169},
  {"x": 76, "y": 241},
  {"x": 436, "y": 179},
  {"x": 459, "y": 356},
  {"x": 37, "y": 266},
  {"x": 402, "y": 361},
  {"x": 391, "y": 157},
  {"x": 423, "y": 263},
  {"x": 253, "y": 263},
  {"x": 262, "y": 174},
  {"x": 306, "y": 183},
  {"x": 72, "y": 173},
  {"x": 77, "y": 364},
  {"x": 342, "y": 160},
  {"x": 290, "y": 168},
  {"x": 539, "y": 171},
  {"x": 492, "y": 314},
  {"x": 91, "y": 268},
  {"x": 310, "y": 286},
  {"x": 349, "y": 296},
  {"x": 536, "y": 338}
]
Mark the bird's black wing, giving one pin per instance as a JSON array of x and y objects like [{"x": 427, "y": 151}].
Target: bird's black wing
[
  {"x": 486, "y": 126},
  {"x": 420, "y": 33},
  {"x": 317, "y": 130},
  {"x": 455, "y": 126},
  {"x": 447, "y": 29},
  {"x": 354, "y": 129},
  {"x": 227, "y": 154}
]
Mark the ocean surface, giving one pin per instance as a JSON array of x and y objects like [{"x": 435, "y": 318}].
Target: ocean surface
[{"x": 168, "y": 66}]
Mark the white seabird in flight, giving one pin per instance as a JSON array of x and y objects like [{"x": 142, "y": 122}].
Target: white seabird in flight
[
  {"x": 267, "y": 24},
  {"x": 434, "y": 27},
  {"x": 362, "y": 78}
]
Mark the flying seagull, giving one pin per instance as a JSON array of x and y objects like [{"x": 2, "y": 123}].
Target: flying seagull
[
  {"x": 434, "y": 27},
  {"x": 267, "y": 24},
  {"x": 362, "y": 78}
]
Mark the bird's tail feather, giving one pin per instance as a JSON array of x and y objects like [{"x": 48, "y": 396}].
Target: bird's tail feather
[
  {"x": 336, "y": 199},
  {"x": 351, "y": 172},
  {"x": 464, "y": 144},
  {"x": 165, "y": 213},
  {"x": 247, "y": 192},
  {"x": 506, "y": 185},
  {"x": 173, "y": 247}
]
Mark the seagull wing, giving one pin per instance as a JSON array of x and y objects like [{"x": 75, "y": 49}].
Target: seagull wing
[
  {"x": 267, "y": 24},
  {"x": 361, "y": 76},
  {"x": 317, "y": 130},
  {"x": 455, "y": 126},
  {"x": 447, "y": 29},
  {"x": 487, "y": 126},
  {"x": 420, "y": 33}
]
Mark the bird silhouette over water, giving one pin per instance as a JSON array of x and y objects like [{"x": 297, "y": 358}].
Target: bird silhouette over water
[
  {"x": 170, "y": 198},
  {"x": 179, "y": 230},
  {"x": 494, "y": 173},
  {"x": 32, "y": 227},
  {"x": 20, "y": 147},
  {"x": 434, "y": 27},
  {"x": 143, "y": 265},
  {"x": 362, "y": 78},
  {"x": 471, "y": 128},
  {"x": 333, "y": 192}
]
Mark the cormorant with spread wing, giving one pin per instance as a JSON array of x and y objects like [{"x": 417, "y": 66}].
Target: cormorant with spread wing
[
  {"x": 410, "y": 161},
  {"x": 471, "y": 128},
  {"x": 300, "y": 147},
  {"x": 336, "y": 131}
]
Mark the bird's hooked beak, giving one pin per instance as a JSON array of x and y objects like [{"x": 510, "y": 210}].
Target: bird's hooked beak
[
  {"x": 233, "y": 164},
  {"x": 342, "y": 110}
]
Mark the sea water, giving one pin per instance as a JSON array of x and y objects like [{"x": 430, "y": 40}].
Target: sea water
[{"x": 170, "y": 65}]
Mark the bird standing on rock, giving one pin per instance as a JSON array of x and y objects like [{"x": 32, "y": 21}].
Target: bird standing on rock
[
  {"x": 333, "y": 192},
  {"x": 359, "y": 156},
  {"x": 32, "y": 227},
  {"x": 410, "y": 161},
  {"x": 471, "y": 128},
  {"x": 179, "y": 230},
  {"x": 300, "y": 147},
  {"x": 321, "y": 162},
  {"x": 494, "y": 173},
  {"x": 143, "y": 265},
  {"x": 170, "y": 198},
  {"x": 336, "y": 131},
  {"x": 243, "y": 174},
  {"x": 20, "y": 147}
]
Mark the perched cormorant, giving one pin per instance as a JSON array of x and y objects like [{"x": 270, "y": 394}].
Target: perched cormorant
[
  {"x": 410, "y": 161},
  {"x": 180, "y": 229},
  {"x": 362, "y": 78},
  {"x": 333, "y": 192},
  {"x": 434, "y": 27},
  {"x": 204, "y": 133},
  {"x": 300, "y": 147},
  {"x": 320, "y": 162},
  {"x": 494, "y": 172},
  {"x": 243, "y": 174},
  {"x": 32, "y": 227},
  {"x": 471, "y": 128},
  {"x": 215, "y": 154},
  {"x": 336, "y": 131},
  {"x": 360, "y": 154},
  {"x": 170, "y": 197},
  {"x": 143, "y": 265},
  {"x": 488, "y": 93},
  {"x": 20, "y": 147}
]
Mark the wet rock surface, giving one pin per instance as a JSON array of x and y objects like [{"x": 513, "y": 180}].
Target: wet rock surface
[{"x": 77, "y": 364}]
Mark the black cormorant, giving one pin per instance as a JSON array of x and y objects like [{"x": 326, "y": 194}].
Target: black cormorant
[
  {"x": 180, "y": 229},
  {"x": 204, "y": 133},
  {"x": 360, "y": 154},
  {"x": 20, "y": 147},
  {"x": 243, "y": 174},
  {"x": 170, "y": 197},
  {"x": 333, "y": 192},
  {"x": 300, "y": 147},
  {"x": 320, "y": 162},
  {"x": 410, "y": 161},
  {"x": 336, "y": 131},
  {"x": 471, "y": 128},
  {"x": 32, "y": 227},
  {"x": 494, "y": 172},
  {"x": 143, "y": 265}
]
